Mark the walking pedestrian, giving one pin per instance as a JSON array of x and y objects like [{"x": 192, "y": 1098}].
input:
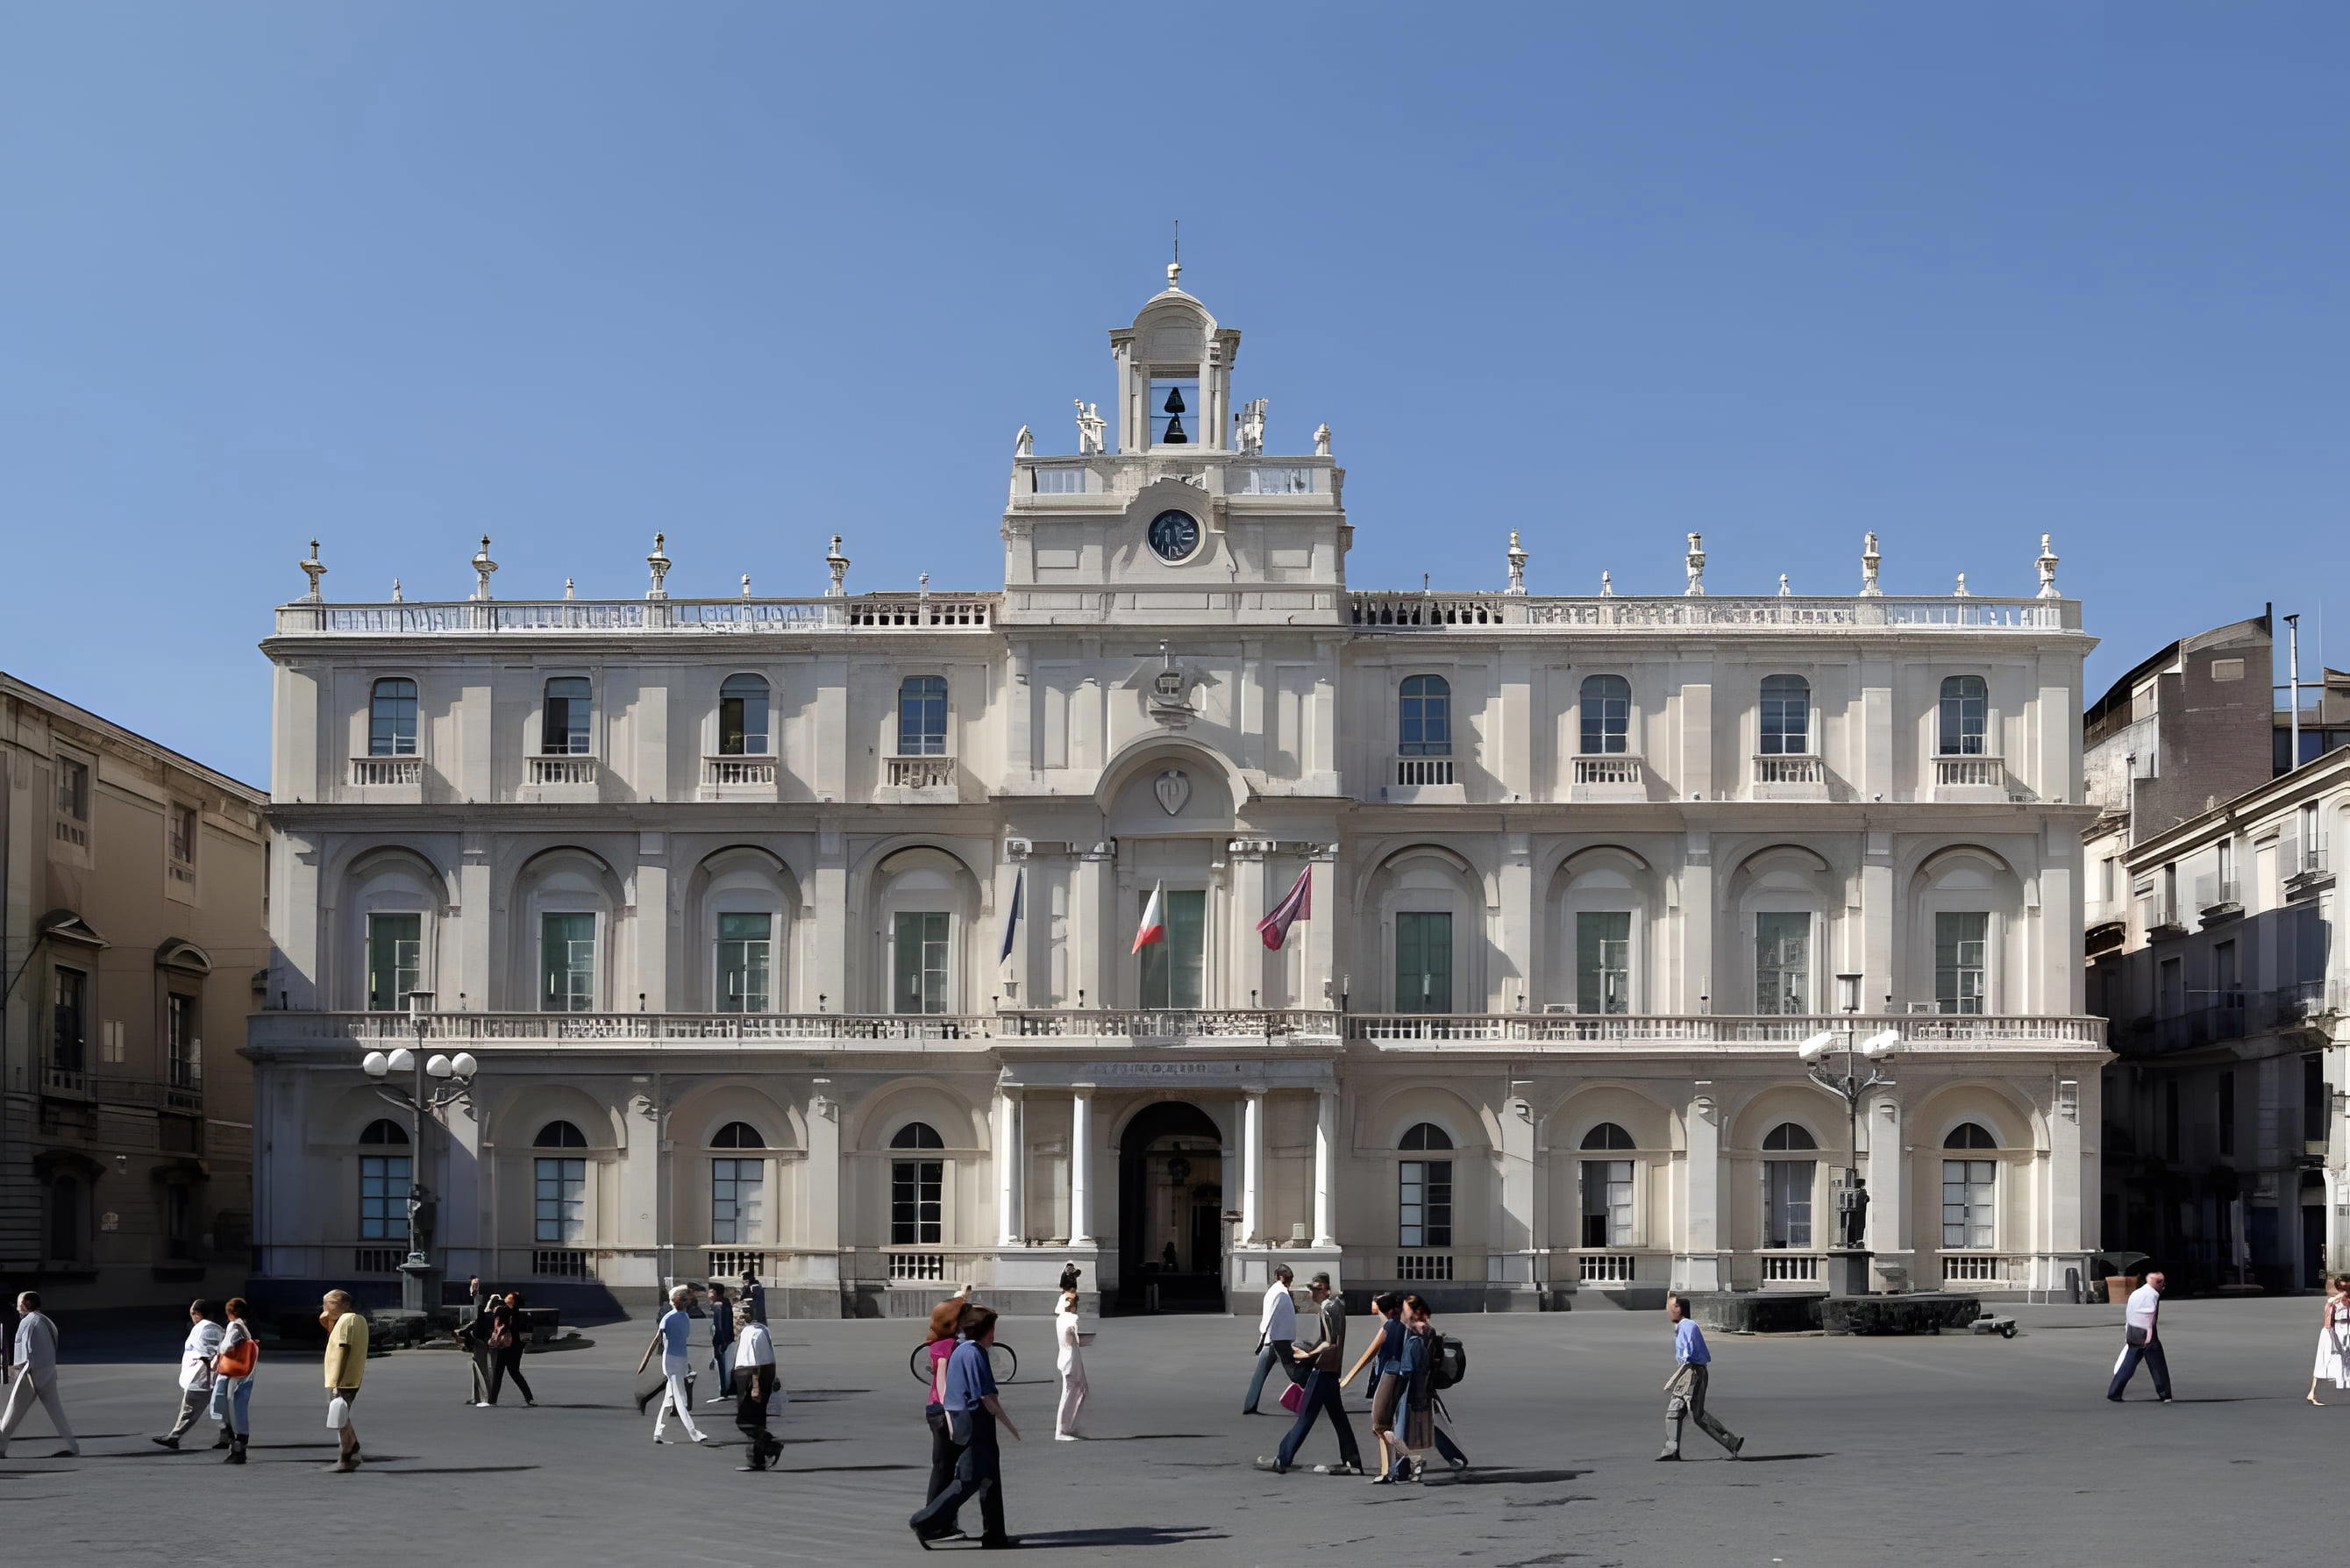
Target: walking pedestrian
[
  {"x": 1071, "y": 1365},
  {"x": 756, "y": 1378},
  {"x": 1384, "y": 1356},
  {"x": 2142, "y": 1340},
  {"x": 196, "y": 1352},
  {"x": 1322, "y": 1388},
  {"x": 509, "y": 1337},
  {"x": 1449, "y": 1364},
  {"x": 946, "y": 1322},
  {"x": 1686, "y": 1388},
  {"x": 36, "y": 1360},
  {"x": 672, "y": 1339},
  {"x": 347, "y": 1348},
  {"x": 1276, "y": 1333},
  {"x": 1069, "y": 1273},
  {"x": 240, "y": 1352},
  {"x": 2333, "y": 1329},
  {"x": 756, "y": 1294},
  {"x": 721, "y": 1341},
  {"x": 473, "y": 1338},
  {"x": 1417, "y": 1415},
  {"x": 973, "y": 1413}
]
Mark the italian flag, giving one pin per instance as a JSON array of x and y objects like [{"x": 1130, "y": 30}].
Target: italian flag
[{"x": 1154, "y": 921}]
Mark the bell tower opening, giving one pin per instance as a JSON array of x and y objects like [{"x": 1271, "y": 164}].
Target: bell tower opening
[{"x": 1175, "y": 375}]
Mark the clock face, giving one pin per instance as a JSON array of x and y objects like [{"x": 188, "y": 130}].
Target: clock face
[{"x": 1175, "y": 535}]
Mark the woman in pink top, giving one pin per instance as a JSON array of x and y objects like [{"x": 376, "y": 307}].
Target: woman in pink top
[{"x": 946, "y": 1318}]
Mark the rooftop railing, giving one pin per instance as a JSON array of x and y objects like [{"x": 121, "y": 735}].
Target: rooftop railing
[
  {"x": 473, "y": 617},
  {"x": 1408, "y": 611}
]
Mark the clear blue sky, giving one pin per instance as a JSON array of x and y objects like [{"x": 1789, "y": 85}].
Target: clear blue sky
[{"x": 398, "y": 274}]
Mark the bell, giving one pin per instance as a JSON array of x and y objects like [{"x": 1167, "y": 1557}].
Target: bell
[
  {"x": 1174, "y": 404},
  {"x": 1175, "y": 436}
]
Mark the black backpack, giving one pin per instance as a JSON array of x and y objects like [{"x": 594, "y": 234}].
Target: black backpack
[{"x": 1451, "y": 1361}]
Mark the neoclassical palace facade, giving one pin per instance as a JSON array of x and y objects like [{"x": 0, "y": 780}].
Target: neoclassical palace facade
[{"x": 799, "y": 933}]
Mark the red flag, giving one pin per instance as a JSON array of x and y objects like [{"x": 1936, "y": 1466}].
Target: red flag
[
  {"x": 1154, "y": 923},
  {"x": 1297, "y": 905}
]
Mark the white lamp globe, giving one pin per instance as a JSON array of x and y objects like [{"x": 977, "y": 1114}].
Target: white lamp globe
[
  {"x": 1810, "y": 1049},
  {"x": 403, "y": 1060},
  {"x": 375, "y": 1065},
  {"x": 438, "y": 1066},
  {"x": 465, "y": 1064}
]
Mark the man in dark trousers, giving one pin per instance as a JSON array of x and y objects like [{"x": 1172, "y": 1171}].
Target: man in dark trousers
[
  {"x": 755, "y": 1294},
  {"x": 1323, "y": 1391},
  {"x": 973, "y": 1414},
  {"x": 1685, "y": 1390},
  {"x": 473, "y": 1339},
  {"x": 2142, "y": 1340}
]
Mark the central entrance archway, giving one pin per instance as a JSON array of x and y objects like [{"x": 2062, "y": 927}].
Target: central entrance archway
[{"x": 1171, "y": 1200}]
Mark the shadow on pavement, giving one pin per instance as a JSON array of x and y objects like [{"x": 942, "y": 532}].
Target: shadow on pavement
[
  {"x": 1148, "y": 1436},
  {"x": 1123, "y": 1535},
  {"x": 1489, "y": 1477},
  {"x": 445, "y": 1470},
  {"x": 1778, "y": 1458},
  {"x": 829, "y": 1470}
]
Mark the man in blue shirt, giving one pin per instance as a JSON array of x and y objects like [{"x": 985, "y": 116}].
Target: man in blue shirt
[
  {"x": 973, "y": 1413},
  {"x": 1692, "y": 1368}
]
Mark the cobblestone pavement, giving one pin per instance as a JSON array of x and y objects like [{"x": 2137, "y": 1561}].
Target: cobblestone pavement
[{"x": 1952, "y": 1450}]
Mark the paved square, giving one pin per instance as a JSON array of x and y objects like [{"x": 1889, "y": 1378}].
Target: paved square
[{"x": 1959, "y": 1449}]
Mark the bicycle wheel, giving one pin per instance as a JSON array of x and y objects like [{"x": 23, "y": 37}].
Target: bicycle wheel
[
  {"x": 1002, "y": 1362},
  {"x": 919, "y": 1363}
]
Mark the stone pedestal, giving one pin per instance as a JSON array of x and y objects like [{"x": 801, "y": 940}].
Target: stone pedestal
[{"x": 1848, "y": 1272}]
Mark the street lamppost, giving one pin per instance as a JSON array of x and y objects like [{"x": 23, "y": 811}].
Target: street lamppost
[
  {"x": 1848, "y": 1260},
  {"x": 456, "y": 1074}
]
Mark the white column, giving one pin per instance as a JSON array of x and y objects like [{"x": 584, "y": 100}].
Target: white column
[
  {"x": 820, "y": 1221},
  {"x": 1252, "y": 1168},
  {"x": 1081, "y": 1160},
  {"x": 1326, "y": 1138},
  {"x": 1697, "y": 1257},
  {"x": 1009, "y": 1151},
  {"x": 1887, "y": 1203}
]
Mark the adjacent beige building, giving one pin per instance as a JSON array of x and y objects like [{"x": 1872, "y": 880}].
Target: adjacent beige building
[{"x": 134, "y": 938}]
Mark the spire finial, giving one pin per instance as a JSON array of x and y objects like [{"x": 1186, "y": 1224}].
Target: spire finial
[
  {"x": 397, "y": 597},
  {"x": 659, "y": 563},
  {"x": 1868, "y": 563},
  {"x": 1518, "y": 559},
  {"x": 482, "y": 568},
  {"x": 838, "y": 565},
  {"x": 1696, "y": 562},
  {"x": 2047, "y": 564},
  {"x": 1175, "y": 267},
  {"x": 315, "y": 569}
]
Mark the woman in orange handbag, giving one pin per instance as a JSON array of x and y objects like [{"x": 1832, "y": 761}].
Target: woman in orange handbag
[{"x": 232, "y": 1379}]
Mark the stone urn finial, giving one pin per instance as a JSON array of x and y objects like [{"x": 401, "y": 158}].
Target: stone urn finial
[
  {"x": 482, "y": 568},
  {"x": 1696, "y": 563},
  {"x": 314, "y": 568},
  {"x": 1869, "y": 559},
  {"x": 837, "y": 564},
  {"x": 1518, "y": 559},
  {"x": 2047, "y": 564},
  {"x": 659, "y": 563}
]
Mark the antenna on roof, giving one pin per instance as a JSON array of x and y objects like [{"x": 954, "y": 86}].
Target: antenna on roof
[{"x": 1175, "y": 267}]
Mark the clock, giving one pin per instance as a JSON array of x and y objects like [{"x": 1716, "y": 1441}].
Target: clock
[{"x": 1175, "y": 535}]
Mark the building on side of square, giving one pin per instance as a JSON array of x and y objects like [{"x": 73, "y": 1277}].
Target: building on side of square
[
  {"x": 721, "y": 893},
  {"x": 131, "y": 933}
]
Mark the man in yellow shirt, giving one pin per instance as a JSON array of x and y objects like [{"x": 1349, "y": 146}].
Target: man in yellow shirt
[{"x": 347, "y": 1348}]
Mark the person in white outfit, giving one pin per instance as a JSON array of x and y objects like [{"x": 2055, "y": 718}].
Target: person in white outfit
[
  {"x": 203, "y": 1343},
  {"x": 37, "y": 1377},
  {"x": 2333, "y": 1337},
  {"x": 1276, "y": 1327},
  {"x": 674, "y": 1341},
  {"x": 1071, "y": 1344},
  {"x": 754, "y": 1385}
]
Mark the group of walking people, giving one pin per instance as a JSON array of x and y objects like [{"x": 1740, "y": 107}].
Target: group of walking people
[
  {"x": 1409, "y": 1363},
  {"x": 494, "y": 1340}
]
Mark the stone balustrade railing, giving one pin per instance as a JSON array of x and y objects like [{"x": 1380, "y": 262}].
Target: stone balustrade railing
[
  {"x": 1933, "y": 1029},
  {"x": 473, "y": 618},
  {"x": 1439, "y": 612}
]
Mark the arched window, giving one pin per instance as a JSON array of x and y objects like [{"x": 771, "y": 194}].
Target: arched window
[
  {"x": 559, "y": 1187},
  {"x": 383, "y": 1182},
  {"x": 1787, "y": 1187},
  {"x": 1965, "y": 711},
  {"x": 1424, "y": 717},
  {"x": 922, "y": 716},
  {"x": 1606, "y": 714},
  {"x": 65, "y": 1240},
  {"x": 737, "y": 1186},
  {"x": 1608, "y": 1135},
  {"x": 1786, "y": 716},
  {"x": 392, "y": 718},
  {"x": 1788, "y": 1135},
  {"x": 1606, "y": 1189},
  {"x": 559, "y": 1135},
  {"x": 917, "y": 1190},
  {"x": 1969, "y": 1134},
  {"x": 1424, "y": 1190},
  {"x": 384, "y": 1130},
  {"x": 565, "y": 722},
  {"x": 1970, "y": 1190},
  {"x": 742, "y": 716},
  {"x": 738, "y": 1135}
]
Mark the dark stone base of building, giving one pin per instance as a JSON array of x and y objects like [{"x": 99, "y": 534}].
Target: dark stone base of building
[{"x": 1775, "y": 1312}]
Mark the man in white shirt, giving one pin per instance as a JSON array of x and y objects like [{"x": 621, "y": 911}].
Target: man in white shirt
[
  {"x": 1276, "y": 1329},
  {"x": 2142, "y": 1340},
  {"x": 37, "y": 1377},
  {"x": 754, "y": 1386},
  {"x": 671, "y": 1340},
  {"x": 203, "y": 1343}
]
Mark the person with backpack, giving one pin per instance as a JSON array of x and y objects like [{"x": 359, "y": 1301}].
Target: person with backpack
[{"x": 1449, "y": 1364}]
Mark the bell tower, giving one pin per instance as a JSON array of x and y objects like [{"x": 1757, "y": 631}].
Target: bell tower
[{"x": 1174, "y": 375}]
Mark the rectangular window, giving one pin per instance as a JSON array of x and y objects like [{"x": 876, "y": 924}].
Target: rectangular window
[
  {"x": 746, "y": 954},
  {"x": 1424, "y": 1203},
  {"x": 1607, "y": 1202},
  {"x": 1424, "y": 717},
  {"x": 1967, "y": 1215},
  {"x": 1961, "y": 961},
  {"x": 1783, "y": 962},
  {"x": 178, "y": 1221},
  {"x": 2110, "y": 884},
  {"x": 1786, "y": 718},
  {"x": 69, "y": 1020},
  {"x": 1788, "y": 1202},
  {"x": 392, "y": 718},
  {"x": 1423, "y": 982},
  {"x": 2227, "y": 1112},
  {"x": 922, "y": 716},
  {"x": 1175, "y": 972},
  {"x": 570, "y": 705},
  {"x": 735, "y": 1191},
  {"x": 567, "y": 961},
  {"x": 561, "y": 1200},
  {"x": 184, "y": 834},
  {"x": 73, "y": 789},
  {"x": 922, "y": 983},
  {"x": 916, "y": 1190},
  {"x": 1603, "y": 961},
  {"x": 383, "y": 1198},
  {"x": 395, "y": 960},
  {"x": 2314, "y": 1101},
  {"x": 183, "y": 1048}
]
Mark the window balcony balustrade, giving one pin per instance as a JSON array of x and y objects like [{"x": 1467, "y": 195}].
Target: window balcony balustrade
[
  {"x": 1969, "y": 780},
  {"x": 1423, "y": 781},
  {"x": 1606, "y": 778},
  {"x": 562, "y": 778},
  {"x": 931, "y": 778},
  {"x": 740, "y": 777}
]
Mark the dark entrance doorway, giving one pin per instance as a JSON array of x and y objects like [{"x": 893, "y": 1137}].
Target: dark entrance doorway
[{"x": 1171, "y": 1200}]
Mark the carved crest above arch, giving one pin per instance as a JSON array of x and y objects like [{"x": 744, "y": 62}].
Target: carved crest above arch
[{"x": 1173, "y": 788}]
